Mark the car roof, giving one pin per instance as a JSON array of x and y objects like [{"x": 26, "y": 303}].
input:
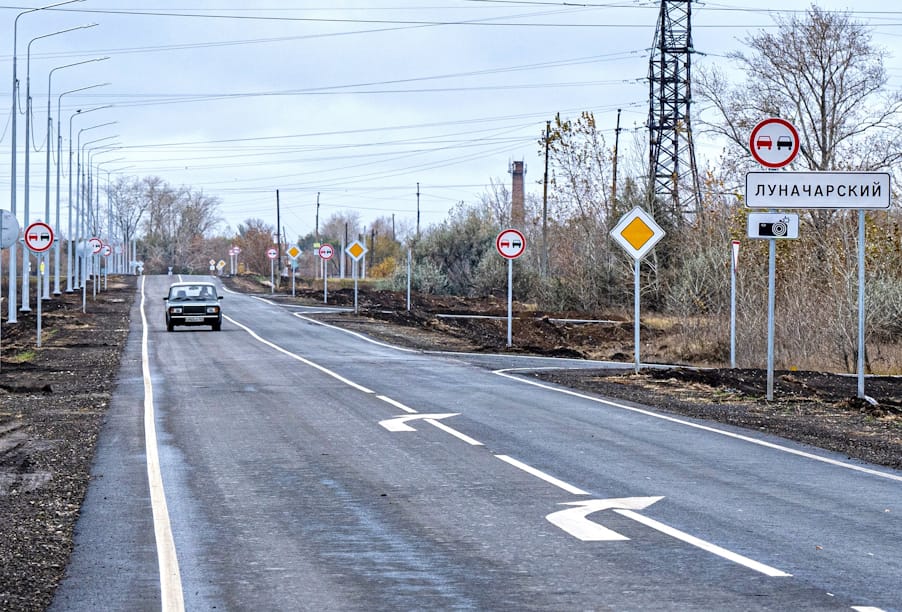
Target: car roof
[{"x": 190, "y": 284}]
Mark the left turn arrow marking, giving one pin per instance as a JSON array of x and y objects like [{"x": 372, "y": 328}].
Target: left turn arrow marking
[
  {"x": 573, "y": 520},
  {"x": 400, "y": 423}
]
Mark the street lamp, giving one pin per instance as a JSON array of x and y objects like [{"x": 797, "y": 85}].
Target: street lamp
[
  {"x": 72, "y": 273},
  {"x": 80, "y": 201},
  {"x": 46, "y": 292},
  {"x": 59, "y": 163},
  {"x": 11, "y": 316},
  {"x": 25, "y": 276}
]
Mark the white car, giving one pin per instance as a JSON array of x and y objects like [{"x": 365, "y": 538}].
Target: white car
[{"x": 193, "y": 304}]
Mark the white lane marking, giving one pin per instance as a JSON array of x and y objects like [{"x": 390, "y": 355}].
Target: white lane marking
[
  {"x": 460, "y": 436},
  {"x": 397, "y": 424},
  {"x": 396, "y": 404},
  {"x": 355, "y": 334},
  {"x": 575, "y": 520},
  {"x": 322, "y": 369},
  {"x": 440, "y": 425},
  {"x": 569, "y": 488},
  {"x": 170, "y": 577},
  {"x": 707, "y": 546},
  {"x": 867, "y": 609},
  {"x": 729, "y": 434}
]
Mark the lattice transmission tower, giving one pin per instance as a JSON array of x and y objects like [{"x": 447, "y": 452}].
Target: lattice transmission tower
[{"x": 673, "y": 173}]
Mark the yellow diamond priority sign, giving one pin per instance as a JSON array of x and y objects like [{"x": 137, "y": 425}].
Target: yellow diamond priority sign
[
  {"x": 637, "y": 233},
  {"x": 356, "y": 250}
]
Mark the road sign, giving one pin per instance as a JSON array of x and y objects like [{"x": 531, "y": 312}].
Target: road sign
[
  {"x": 272, "y": 253},
  {"x": 637, "y": 232},
  {"x": 9, "y": 229},
  {"x": 293, "y": 251},
  {"x": 96, "y": 244},
  {"x": 774, "y": 142},
  {"x": 866, "y": 190},
  {"x": 773, "y": 225},
  {"x": 106, "y": 250},
  {"x": 38, "y": 237},
  {"x": 221, "y": 264},
  {"x": 212, "y": 262},
  {"x": 510, "y": 244},
  {"x": 356, "y": 250},
  {"x": 326, "y": 251}
]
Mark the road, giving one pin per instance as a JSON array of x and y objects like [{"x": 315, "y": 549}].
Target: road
[{"x": 302, "y": 467}]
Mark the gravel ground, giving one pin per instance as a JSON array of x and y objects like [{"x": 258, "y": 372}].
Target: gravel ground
[{"x": 53, "y": 401}]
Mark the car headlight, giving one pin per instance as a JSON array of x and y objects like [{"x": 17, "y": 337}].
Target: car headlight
[
  {"x": 176, "y": 310},
  {"x": 212, "y": 309}
]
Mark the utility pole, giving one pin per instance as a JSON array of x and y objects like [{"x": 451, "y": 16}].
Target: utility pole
[
  {"x": 616, "y": 147},
  {"x": 672, "y": 153},
  {"x": 545, "y": 202},
  {"x": 316, "y": 233},
  {"x": 278, "y": 234},
  {"x": 418, "y": 210}
]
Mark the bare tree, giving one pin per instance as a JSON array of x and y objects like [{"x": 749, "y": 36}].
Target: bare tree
[{"x": 820, "y": 71}]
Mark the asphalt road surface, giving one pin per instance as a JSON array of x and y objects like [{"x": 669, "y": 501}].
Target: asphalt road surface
[{"x": 281, "y": 464}]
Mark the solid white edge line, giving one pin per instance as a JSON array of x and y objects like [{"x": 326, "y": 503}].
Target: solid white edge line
[
  {"x": 707, "y": 428},
  {"x": 867, "y": 609},
  {"x": 170, "y": 577},
  {"x": 454, "y": 432},
  {"x": 569, "y": 488},
  {"x": 312, "y": 364},
  {"x": 706, "y": 546}
]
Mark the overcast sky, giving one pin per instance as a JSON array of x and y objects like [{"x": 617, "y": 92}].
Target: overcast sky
[{"x": 357, "y": 101}]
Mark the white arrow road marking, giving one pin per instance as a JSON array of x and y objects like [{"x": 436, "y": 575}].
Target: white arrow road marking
[
  {"x": 400, "y": 423},
  {"x": 711, "y": 548},
  {"x": 574, "y": 521}
]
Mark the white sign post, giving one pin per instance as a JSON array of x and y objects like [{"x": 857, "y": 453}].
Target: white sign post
[
  {"x": 325, "y": 253},
  {"x": 356, "y": 250},
  {"x": 734, "y": 265},
  {"x": 510, "y": 244},
  {"x": 637, "y": 233},
  {"x": 39, "y": 239},
  {"x": 272, "y": 254}
]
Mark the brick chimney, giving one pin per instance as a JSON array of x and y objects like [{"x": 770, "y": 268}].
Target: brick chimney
[{"x": 518, "y": 206}]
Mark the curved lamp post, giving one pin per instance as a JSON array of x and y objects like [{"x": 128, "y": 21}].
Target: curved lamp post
[
  {"x": 11, "y": 316},
  {"x": 25, "y": 275},
  {"x": 59, "y": 151},
  {"x": 45, "y": 294}
]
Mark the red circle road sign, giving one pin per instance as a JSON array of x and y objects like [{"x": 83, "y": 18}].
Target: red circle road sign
[
  {"x": 774, "y": 142},
  {"x": 510, "y": 244},
  {"x": 272, "y": 253},
  {"x": 38, "y": 237},
  {"x": 326, "y": 251}
]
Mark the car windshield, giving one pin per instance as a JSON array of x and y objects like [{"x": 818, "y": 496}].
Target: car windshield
[{"x": 196, "y": 293}]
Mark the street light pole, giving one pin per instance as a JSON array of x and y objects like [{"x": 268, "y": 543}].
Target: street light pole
[
  {"x": 56, "y": 226},
  {"x": 72, "y": 273},
  {"x": 25, "y": 260},
  {"x": 12, "y": 298},
  {"x": 59, "y": 150}
]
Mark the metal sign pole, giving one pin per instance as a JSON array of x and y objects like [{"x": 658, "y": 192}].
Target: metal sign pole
[
  {"x": 38, "y": 289},
  {"x": 272, "y": 276},
  {"x": 354, "y": 269},
  {"x": 510, "y": 300},
  {"x": 636, "y": 291},
  {"x": 734, "y": 247},
  {"x": 771, "y": 290},
  {"x": 325, "y": 281},
  {"x": 861, "y": 261}
]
